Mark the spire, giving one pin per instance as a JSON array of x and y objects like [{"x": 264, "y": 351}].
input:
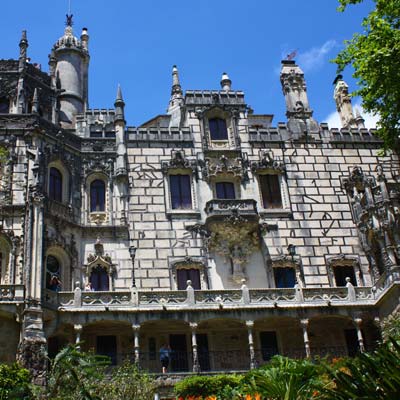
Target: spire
[
  {"x": 119, "y": 106},
  {"x": 226, "y": 83},
  {"x": 176, "y": 86},
  {"x": 358, "y": 118},
  {"x": 23, "y": 46},
  {"x": 35, "y": 102}
]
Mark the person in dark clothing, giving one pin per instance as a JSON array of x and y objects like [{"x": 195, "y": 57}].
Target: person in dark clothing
[{"x": 165, "y": 353}]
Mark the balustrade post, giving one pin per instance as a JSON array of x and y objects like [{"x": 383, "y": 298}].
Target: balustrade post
[
  {"x": 245, "y": 292},
  {"x": 351, "y": 292},
  {"x": 78, "y": 294},
  {"x": 358, "y": 323},
  {"x": 304, "y": 324},
  {"x": 253, "y": 362},
  {"x": 196, "y": 364},
  {"x": 190, "y": 299},
  {"x": 78, "y": 331},
  {"x": 136, "y": 343}
]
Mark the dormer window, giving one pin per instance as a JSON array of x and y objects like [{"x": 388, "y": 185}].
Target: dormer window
[
  {"x": 218, "y": 129},
  {"x": 225, "y": 190}
]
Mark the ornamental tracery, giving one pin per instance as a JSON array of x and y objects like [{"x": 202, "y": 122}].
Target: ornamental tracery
[
  {"x": 178, "y": 160},
  {"x": 268, "y": 161}
]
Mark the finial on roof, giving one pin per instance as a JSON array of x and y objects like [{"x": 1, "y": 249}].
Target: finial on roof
[
  {"x": 176, "y": 86},
  {"x": 23, "y": 45},
  {"x": 119, "y": 106},
  {"x": 69, "y": 20},
  {"x": 225, "y": 82},
  {"x": 119, "y": 94}
]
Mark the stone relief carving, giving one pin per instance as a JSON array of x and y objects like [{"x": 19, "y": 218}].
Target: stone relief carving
[
  {"x": 235, "y": 167},
  {"x": 268, "y": 161},
  {"x": 178, "y": 160}
]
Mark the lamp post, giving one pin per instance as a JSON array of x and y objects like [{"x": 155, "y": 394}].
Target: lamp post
[
  {"x": 291, "y": 250},
  {"x": 132, "y": 252}
]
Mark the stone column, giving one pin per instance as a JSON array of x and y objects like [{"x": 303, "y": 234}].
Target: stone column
[
  {"x": 196, "y": 364},
  {"x": 304, "y": 324},
  {"x": 136, "y": 343},
  {"x": 250, "y": 325},
  {"x": 78, "y": 331},
  {"x": 358, "y": 323}
]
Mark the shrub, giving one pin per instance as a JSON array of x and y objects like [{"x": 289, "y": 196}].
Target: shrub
[{"x": 14, "y": 382}]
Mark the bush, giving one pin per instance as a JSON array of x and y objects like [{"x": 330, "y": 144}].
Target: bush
[
  {"x": 218, "y": 385},
  {"x": 14, "y": 383}
]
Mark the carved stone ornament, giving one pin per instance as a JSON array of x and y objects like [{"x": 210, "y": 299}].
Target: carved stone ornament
[
  {"x": 179, "y": 161},
  {"x": 342, "y": 260},
  {"x": 268, "y": 161},
  {"x": 356, "y": 180},
  {"x": 100, "y": 259},
  {"x": 225, "y": 166}
]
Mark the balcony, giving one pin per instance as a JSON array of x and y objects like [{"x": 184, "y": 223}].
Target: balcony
[
  {"x": 60, "y": 210},
  {"x": 231, "y": 210},
  {"x": 12, "y": 294}
]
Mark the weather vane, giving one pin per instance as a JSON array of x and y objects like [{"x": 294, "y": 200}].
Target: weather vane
[
  {"x": 291, "y": 55},
  {"x": 69, "y": 15}
]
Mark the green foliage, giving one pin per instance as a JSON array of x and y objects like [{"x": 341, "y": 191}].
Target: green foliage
[
  {"x": 218, "y": 385},
  {"x": 374, "y": 376},
  {"x": 14, "y": 383},
  {"x": 286, "y": 379},
  {"x": 375, "y": 57},
  {"x": 391, "y": 327},
  {"x": 3, "y": 154},
  {"x": 127, "y": 383}
]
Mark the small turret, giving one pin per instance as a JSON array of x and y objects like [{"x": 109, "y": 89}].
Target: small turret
[
  {"x": 119, "y": 106},
  {"x": 119, "y": 124},
  {"x": 23, "y": 47},
  {"x": 294, "y": 88},
  {"x": 226, "y": 83},
  {"x": 71, "y": 56},
  {"x": 176, "y": 101},
  {"x": 343, "y": 104}
]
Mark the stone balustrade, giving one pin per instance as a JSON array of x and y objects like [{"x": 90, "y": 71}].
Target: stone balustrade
[
  {"x": 218, "y": 299},
  {"x": 226, "y": 206},
  {"x": 12, "y": 293}
]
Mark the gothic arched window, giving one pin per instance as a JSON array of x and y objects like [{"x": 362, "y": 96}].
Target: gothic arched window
[
  {"x": 99, "y": 279},
  {"x": 97, "y": 195},
  {"x": 53, "y": 273},
  {"x": 55, "y": 185}
]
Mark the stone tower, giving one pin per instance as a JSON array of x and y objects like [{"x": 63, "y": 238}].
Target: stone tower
[{"x": 71, "y": 58}]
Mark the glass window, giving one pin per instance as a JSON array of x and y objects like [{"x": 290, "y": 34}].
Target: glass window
[
  {"x": 184, "y": 275},
  {"x": 225, "y": 190},
  {"x": 218, "y": 130},
  {"x": 99, "y": 279},
  {"x": 55, "y": 185},
  {"x": 341, "y": 272},
  {"x": 4, "y": 106},
  {"x": 53, "y": 272},
  {"x": 97, "y": 195},
  {"x": 181, "y": 192},
  {"x": 270, "y": 191},
  {"x": 284, "y": 277}
]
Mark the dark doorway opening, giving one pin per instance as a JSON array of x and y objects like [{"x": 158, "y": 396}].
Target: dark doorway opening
[
  {"x": 202, "y": 351},
  {"x": 179, "y": 356},
  {"x": 269, "y": 345},
  {"x": 107, "y": 346}
]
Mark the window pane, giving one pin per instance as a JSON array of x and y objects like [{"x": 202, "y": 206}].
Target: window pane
[
  {"x": 97, "y": 195},
  {"x": 284, "y": 277},
  {"x": 182, "y": 278},
  {"x": 225, "y": 190},
  {"x": 194, "y": 276},
  {"x": 181, "y": 191},
  {"x": 218, "y": 130},
  {"x": 55, "y": 185},
  {"x": 270, "y": 191},
  {"x": 99, "y": 279}
]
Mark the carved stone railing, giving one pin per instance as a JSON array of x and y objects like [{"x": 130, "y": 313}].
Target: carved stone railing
[
  {"x": 12, "y": 293},
  {"x": 219, "y": 299},
  {"x": 225, "y": 207},
  {"x": 60, "y": 210}
]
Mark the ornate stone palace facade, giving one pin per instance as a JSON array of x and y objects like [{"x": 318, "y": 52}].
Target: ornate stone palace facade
[{"x": 207, "y": 227}]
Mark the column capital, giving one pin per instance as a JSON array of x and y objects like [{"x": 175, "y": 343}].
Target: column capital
[
  {"x": 250, "y": 324},
  {"x": 78, "y": 327},
  {"x": 304, "y": 322},
  {"x": 135, "y": 327},
  {"x": 193, "y": 325}
]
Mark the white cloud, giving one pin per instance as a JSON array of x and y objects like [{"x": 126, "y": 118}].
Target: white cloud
[
  {"x": 314, "y": 58},
  {"x": 333, "y": 119}
]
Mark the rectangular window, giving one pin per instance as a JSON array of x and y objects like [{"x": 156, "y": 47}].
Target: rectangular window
[
  {"x": 218, "y": 129},
  {"x": 284, "y": 277},
  {"x": 270, "y": 191},
  {"x": 184, "y": 275},
  {"x": 181, "y": 192},
  {"x": 225, "y": 190},
  {"x": 341, "y": 272}
]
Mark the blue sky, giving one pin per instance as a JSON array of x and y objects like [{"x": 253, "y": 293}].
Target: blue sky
[{"x": 135, "y": 43}]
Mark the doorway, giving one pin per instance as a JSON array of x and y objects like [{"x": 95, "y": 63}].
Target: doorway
[
  {"x": 107, "y": 346},
  {"x": 202, "y": 351},
  {"x": 179, "y": 356}
]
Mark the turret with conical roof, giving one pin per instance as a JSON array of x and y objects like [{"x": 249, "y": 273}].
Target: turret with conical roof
[{"x": 71, "y": 71}]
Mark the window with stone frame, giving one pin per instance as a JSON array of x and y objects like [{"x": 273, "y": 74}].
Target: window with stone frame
[
  {"x": 99, "y": 279},
  {"x": 218, "y": 129},
  {"x": 180, "y": 191},
  {"x": 270, "y": 188},
  {"x": 97, "y": 195},
  {"x": 55, "y": 185},
  {"x": 225, "y": 190},
  {"x": 285, "y": 277},
  {"x": 341, "y": 272},
  {"x": 188, "y": 274},
  {"x": 53, "y": 273}
]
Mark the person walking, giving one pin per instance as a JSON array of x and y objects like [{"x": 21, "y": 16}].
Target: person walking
[{"x": 165, "y": 353}]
